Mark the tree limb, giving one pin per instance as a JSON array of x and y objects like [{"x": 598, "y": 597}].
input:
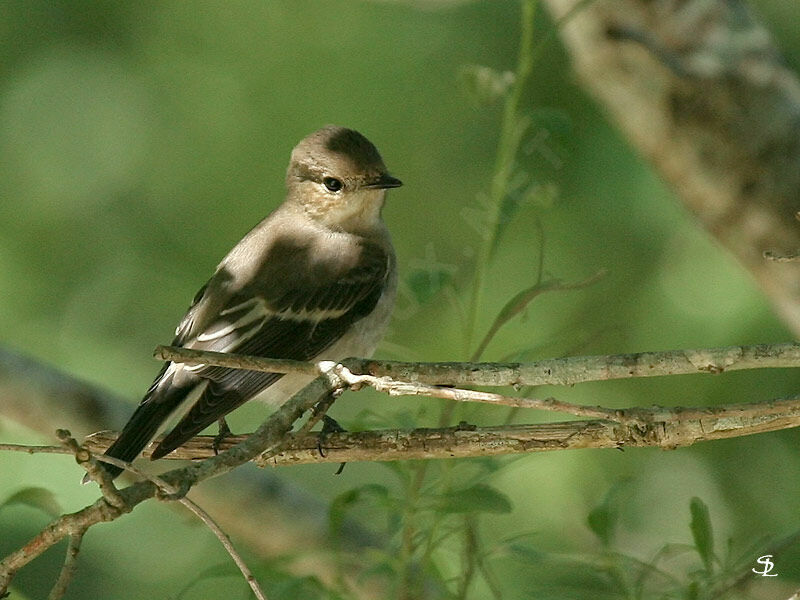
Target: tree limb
[
  {"x": 661, "y": 427},
  {"x": 700, "y": 89},
  {"x": 68, "y": 568}
]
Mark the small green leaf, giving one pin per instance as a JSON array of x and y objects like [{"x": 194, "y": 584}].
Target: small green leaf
[
  {"x": 35, "y": 497},
  {"x": 603, "y": 518},
  {"x": 306, "y": 586},
  {"x": 701, "y": 531},
  {"x": 223, "y": 569},
  {"x": 477, "y": 498},
  {"x": 601, "y": 521},
  {"x": 526, "y": 553}
]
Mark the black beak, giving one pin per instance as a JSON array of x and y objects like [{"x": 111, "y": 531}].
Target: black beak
[{"x": 384, "y": 181}]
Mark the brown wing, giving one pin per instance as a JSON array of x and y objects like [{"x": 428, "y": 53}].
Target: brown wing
[{"x": 298, "y": 305}]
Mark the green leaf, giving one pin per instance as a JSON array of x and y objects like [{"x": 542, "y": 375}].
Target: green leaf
[
  {"x": 224, "y": 569},
  {"x": 35, "y": 497},
  {"x": 701, "y": 531},
  {"x": 477, "y": 498},
  {"x": 603, "y": 518},
  {"x": 306, "y": 586},
  {"x": 522, "y": 299},
  {"x": 526, "y": 553}
]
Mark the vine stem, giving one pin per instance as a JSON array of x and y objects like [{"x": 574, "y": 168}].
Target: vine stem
[{"x": 512, "y": 129}]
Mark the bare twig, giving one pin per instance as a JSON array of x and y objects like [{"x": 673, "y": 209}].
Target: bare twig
[
  {"x": 555, "y": 371},
  {"x": 662, "y": 427},
  {"x": 189, "y": 356},
  {"x": 30, "y": 449},
  {"x": 769, "y": 255},
  {"x": 228, "y": 545},
  {"x": 403, "y": 388},
  {"x": 657, "y": 426},
  {"x": 93, "y": 469},
  {"x": 173, "y": 492},
  {"x": 34, "y": 394},
  {"x": 69, "y": 567}
]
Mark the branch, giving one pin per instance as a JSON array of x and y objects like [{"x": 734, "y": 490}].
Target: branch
[
  {"x": 632, "y": 427},
  {"x": 172, "y": 491},
  {"x": 268, "y": 437},
  {"x": 701, "y": 90},
  {"x": 555, "y": 371},
  {"x": 34, "y": 393},
  {"x": 661, "y": 427}
]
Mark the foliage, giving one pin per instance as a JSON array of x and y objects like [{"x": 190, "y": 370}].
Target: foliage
[{"x": 136, "y": 143}]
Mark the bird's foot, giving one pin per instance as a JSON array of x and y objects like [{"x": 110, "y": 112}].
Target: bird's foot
[
  {"x": 329, "y": 426},
  {"x": 224, "y": 431}
]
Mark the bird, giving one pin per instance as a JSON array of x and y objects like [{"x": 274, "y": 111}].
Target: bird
[{"x": 316, "y": 279}]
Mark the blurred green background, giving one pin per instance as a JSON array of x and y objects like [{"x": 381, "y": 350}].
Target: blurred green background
[{"x": 140, "y": 140}]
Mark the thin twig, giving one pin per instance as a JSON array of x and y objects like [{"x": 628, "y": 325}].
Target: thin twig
[
  {"x": 172, "y": 492},
  {"x": 227, "y": 544},
  {"x": 189, "y": 356},
  {"x": 69, "y": 567},
  {"x": 93, "y": 469},
  {"x": 639, "y": 427},
  {"x": 35, "y": 449},
  {"x": 403, "y": 388},
  {"x": 781, "y": 257}
]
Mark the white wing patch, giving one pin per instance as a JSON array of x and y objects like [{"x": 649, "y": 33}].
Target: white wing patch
[
  {"x": 257, "y": 311},
  {"x": 247, "y": 325},
  {"x": 315, "y": 315}
]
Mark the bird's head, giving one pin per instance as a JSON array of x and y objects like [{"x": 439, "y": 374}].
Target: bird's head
[{"x": 338, "y": 177}]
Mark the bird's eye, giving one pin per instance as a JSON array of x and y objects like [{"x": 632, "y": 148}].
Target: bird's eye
[{"x": 333, "y": 184}]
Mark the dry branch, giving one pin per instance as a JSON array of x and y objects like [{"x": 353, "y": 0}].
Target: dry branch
[
  {"x": 556, "y": 371},
  {"x": 661, "y": 427}
]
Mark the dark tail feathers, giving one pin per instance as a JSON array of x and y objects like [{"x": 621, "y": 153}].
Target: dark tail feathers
[{"x": 143, "y": 425}]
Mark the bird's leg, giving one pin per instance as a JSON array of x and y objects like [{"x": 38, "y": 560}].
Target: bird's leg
[
  {"x": 224, "y": 431},
  {"x": 329, "y": 425}
]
